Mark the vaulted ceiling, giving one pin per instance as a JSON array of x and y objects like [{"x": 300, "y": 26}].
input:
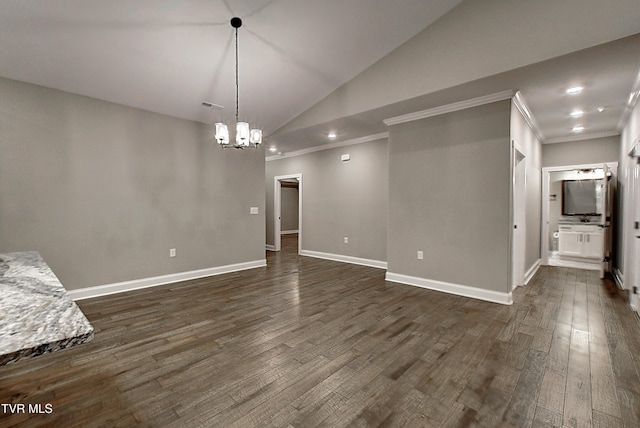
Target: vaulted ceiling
[
  {"x": 169, "y": 56},
  {"x": 299, "y": 56}
]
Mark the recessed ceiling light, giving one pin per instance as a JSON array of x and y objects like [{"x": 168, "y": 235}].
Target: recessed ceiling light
[
  {"x": 600, "y": 109},
  {"x": 577, "y": 113},
  {"x": 574, "y": 90},
  {"x": 578, "y": 128},
  {"x": 273, "y": 149},
  {"x": 332, "y": 135}
]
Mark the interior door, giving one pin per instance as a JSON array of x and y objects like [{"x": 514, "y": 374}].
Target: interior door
[
  {"x": 634, "y": 262},
  {"x": 605, "y": 221},
  {"x": 518, "y": 247}
]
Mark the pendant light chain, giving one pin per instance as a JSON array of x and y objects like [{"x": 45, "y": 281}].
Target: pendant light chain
[{"x": 237, "y": 85}]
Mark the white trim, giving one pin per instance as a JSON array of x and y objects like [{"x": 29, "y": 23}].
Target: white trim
[
  {"x": 532, "y": 271},
  {"x": 359, "y": 140},
  {"x": 580, "y": 137},
  {"x": 345, "y": 259},
  {"x": 521, "y": 105},
  {"x": 277, "y": 209},
  {"x": 136, "y": 284},
  {"x": 635, "y": 89},
  {"x": 270, "y": 247},
  {"x": 288, "y": 232},
  {"x": 450, "y": 108},
  {"x": 580, "y": 166},
  {"x": 575, "y": 264},
  {"x": 618, "y": 277},
  {"x": 457, "y": 289}
]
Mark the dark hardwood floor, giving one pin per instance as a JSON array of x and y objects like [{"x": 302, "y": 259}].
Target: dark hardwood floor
[{"x": 308, "y": 342}]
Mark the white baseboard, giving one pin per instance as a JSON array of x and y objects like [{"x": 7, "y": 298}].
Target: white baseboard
[
  {"x": 460, "y": 290},
  {"x": 346, "y": 259},
  {"x": 270, "y": 247},
  {"x": 532, "y": 271},
  {"x": 288, "y": 232},
  {"x": 574, "y": 264},
  {"x": 136, "y": 284}
]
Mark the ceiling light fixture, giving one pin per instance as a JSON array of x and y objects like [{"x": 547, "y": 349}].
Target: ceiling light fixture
[
  {"x": 273, "y": 149},
  {"x": 245, "y": 137},
  {"x": 600, "y": 109},
  {"x": 578, "y": 128},
  {"x": 577, "y": 113},
  {"x": 332, "y": 135},
  {"x": 574, "y": 90}
]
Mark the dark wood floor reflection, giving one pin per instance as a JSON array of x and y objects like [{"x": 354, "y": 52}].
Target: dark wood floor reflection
[{"x": 308, "y": 342}]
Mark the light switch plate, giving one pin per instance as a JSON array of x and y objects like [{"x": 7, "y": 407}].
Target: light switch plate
[{"x": 254, "y": 210}]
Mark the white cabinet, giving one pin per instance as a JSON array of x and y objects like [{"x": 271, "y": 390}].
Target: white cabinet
[
  {"x": 570, "y": 243},
  {"x": 585, "y": 241},
  {"x": 593, "y": 247}
]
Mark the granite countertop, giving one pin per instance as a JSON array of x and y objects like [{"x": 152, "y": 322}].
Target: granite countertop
[{"x": 37, "y": 315}]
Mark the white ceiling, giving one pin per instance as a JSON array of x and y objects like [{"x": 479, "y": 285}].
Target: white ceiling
[
  {"x": 168, "y": 57},
  {"x": 608, "y": 73}
]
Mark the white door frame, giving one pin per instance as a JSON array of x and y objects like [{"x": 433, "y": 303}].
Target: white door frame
[
  {"x": 546, "y": 177},
  {"x": 630, "y": 234},
  {"x": 518, "y": 215},
  {"x": 277, "y": 209}
]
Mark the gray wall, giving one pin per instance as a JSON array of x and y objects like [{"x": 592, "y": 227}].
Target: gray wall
[
  {"x": 289, "y": 207},
  {"x": 103, "y": 191},
  {"x": 529, "y": 143},
  {"x": 449, "y": 196},
  {"x": 597, "y": 150},
  {"x": 339, "y": 199}
]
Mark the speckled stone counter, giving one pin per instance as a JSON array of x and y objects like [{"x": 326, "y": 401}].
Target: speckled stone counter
[{"x": 36, "y": 313}]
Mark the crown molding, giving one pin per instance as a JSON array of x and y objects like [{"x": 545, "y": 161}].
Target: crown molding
[
  {"x": 634, "y": 96},
  {"x": 581, "y": 137},
  {"x": 521, "y": 105},
  {"x": 450, "y": 108},
  {"x": 359, "y": 140}
]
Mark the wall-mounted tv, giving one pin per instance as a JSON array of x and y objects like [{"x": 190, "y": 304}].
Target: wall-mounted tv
[{"x": 582, "y": 197}]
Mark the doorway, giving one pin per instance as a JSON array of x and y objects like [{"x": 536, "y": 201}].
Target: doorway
[
  {"x": 577, "y": 239},
  {"x": 287, "y": 211},
  {"x": 518, "y": 214}
]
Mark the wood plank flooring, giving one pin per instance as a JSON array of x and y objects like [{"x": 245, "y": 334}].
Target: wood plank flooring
[{"x": 308, "y": 342}]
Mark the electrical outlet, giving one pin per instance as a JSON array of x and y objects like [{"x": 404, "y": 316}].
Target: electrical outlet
[
  {"x": 346, "y": 239},
  {"x": 172, "y": 252},
  {"x": 420, "y": 255}
]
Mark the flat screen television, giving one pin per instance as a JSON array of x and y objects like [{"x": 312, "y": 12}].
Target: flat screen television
[{"x": 581, "y": 197}]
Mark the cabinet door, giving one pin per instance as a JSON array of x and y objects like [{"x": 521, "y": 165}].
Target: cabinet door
[
  {"x": 570, "y": 243},
  {"x": 593, "y": 245}
]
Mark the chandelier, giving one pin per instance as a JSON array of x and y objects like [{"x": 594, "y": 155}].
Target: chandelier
[{"x": 245, "y": 137}]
